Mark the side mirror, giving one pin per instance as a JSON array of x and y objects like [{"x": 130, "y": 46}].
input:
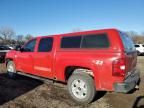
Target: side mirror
[{"x": 18, "y": 48}]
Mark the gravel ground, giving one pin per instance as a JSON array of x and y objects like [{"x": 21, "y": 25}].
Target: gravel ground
[{"x": 25, "y": 92}]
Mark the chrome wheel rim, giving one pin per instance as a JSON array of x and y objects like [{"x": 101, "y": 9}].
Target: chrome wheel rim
[
  {"x": 10, "y": 68},
  {"x": 79, "y": 89}
]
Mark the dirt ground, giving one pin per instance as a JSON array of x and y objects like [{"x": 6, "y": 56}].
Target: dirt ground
[{"x": 25, "y": 92}]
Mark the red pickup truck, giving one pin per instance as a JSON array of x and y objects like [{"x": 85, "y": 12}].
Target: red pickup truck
[{"x": 88, "y": 61}]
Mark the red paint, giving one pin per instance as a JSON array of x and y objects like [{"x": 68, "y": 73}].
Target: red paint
[{"x": 54, "y": 63}]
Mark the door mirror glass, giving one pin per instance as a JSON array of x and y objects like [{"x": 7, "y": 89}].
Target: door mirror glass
[{"x": 18, "y": 48}]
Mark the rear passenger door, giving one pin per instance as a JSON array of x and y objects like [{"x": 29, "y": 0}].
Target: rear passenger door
[{"x": 43, "y": 59}]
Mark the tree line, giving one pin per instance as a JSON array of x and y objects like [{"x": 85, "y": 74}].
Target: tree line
[
  {"x": 137, "y": 38},
  {"x": 9, "y": 37}
]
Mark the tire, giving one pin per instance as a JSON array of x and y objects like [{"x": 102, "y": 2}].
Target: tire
[
  {"x": 81, "y": 88},
  {"x": 11, "y": 70}
]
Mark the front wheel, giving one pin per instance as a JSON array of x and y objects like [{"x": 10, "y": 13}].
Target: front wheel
[
  {"x": 81, "y": 88},
  {"x": 11, "y": 70}
]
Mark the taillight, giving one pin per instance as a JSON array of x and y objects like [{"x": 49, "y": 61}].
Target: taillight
[{"x": 119, "y": 67}]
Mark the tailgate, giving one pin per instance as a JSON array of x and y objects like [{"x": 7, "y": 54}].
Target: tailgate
[
  {"x": 130, "y": 53},
  {"x": 131, "y": 61}
]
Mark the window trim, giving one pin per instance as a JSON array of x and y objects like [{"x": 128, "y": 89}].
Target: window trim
[{"x": 82, "y": 36}]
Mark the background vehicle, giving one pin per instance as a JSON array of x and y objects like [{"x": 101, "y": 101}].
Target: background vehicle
[
  {"x": 89, "y": 61},
  {"x": 3, "y": 50},
  {"x": 140, "y": 49},
  {"x": 10, "y": 47}
]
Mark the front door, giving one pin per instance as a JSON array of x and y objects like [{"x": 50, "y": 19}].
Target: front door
[{"x": 25, "y": 57}]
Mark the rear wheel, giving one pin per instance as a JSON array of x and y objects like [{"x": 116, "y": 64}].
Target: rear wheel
[
  {"x": 81, "y": 88},
  {"x": 11, "y": 70}
]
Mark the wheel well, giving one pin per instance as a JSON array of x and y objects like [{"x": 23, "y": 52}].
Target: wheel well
[{"x": 70, "y": 70}]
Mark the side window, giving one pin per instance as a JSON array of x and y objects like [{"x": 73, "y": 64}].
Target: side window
[
  {"x": 137, "y": 46},
  {"x": 45, "y": 44},
  {"x": 29, "y": 47},
  {"x": 71, "y": 42},
  {"x": 95, "y": 41}
]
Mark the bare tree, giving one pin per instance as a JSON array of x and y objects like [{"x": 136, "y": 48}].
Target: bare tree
[
  {"x": 138, "y": 39},
  {"x": 20, "y": 37},
  {"x": 142, "y": 33},
  {"x": 7, "y": 33},
  {"x": 132, "y": 33},
  {"x": 28, "y": 37},
  {"x": 1, "y": 40}
]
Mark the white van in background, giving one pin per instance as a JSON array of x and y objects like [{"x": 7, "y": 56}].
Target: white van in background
[{"x": 140, "y": 49}]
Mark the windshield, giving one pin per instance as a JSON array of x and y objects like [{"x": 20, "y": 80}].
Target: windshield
[{"x": 127, "y": 42}]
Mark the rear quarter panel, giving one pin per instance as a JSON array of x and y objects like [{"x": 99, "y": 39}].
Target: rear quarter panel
[{"x": 102, "y": 73}]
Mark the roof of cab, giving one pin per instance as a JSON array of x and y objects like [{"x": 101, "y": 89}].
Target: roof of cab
[{"x": 80, "y": 32}]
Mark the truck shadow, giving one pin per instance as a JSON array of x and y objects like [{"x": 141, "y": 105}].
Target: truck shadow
[
  {"x": 12, "y": 88},
  {"x": 139, "y": 102}
]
